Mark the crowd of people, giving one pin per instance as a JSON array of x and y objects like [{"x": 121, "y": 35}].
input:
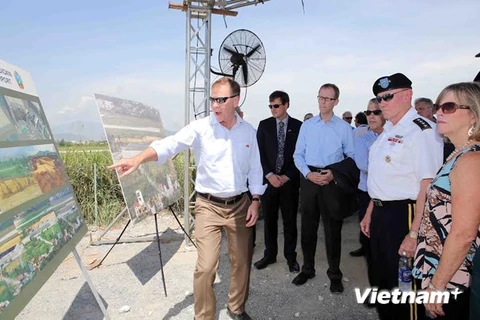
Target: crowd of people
[{"x": 412, "y": 172}]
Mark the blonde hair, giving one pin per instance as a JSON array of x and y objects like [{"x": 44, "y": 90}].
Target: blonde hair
[{"x": 466, "y": 93}]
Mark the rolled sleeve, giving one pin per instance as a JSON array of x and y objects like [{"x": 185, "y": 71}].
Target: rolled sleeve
[
  {"x": 429, "y": 151},
  {"x": 299, "y": 154},
  {"x": 361, "y": 153},
  {"x": 255, "y": 174},
  {"x": 175, "y": 144},
  {"x": 348, "y": 144}
]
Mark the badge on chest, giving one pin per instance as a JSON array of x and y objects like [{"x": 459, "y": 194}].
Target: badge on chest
[{"x": 396, "y": 139}]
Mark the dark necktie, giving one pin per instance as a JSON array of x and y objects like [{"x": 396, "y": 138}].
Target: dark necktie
[{"x": 281, "y": 144}]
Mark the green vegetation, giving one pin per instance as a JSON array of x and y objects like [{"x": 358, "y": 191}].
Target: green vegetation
[
  {"x": 6, "y": 291},
  {"x": 14, "y": 168},
  {"x": 79, "y": 160},
  {"x": 52, "y": 233}
]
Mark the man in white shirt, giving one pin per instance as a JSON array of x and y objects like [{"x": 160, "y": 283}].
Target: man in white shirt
[{"x": 226, "y": 150}]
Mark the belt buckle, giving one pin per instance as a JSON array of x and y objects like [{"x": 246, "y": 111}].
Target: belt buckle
[{"x": 377, "y": 203}]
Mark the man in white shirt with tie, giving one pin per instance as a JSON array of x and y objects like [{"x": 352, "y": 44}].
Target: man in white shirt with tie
[{"x": 227, "y": 155}]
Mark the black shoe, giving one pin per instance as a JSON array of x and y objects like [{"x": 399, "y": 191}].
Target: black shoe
[
  {"x": 358, "y": 253},
  {"x": 263, "y": 263},
  {"x": 241, "y": 316},
  {"x": 293, "y": 266},
  {"x": 302, "y": 278},
  {"x": 336, "y": 286}
]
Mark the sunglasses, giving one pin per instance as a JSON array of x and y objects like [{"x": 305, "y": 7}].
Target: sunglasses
[
  {"x": 347, "y": 118},
  {"x": 276, "y": 106},
  {"x": 387, "y": 97},
  {"x": 375, "y": 112},
  {"x": 325, "y": 98},
  {"x": 449, "y": 107},
  {"x": 221, "y": 100}
]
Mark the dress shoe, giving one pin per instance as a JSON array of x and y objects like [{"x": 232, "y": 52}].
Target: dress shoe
[
  {"x": 358, "y": 253},
  {"x": 293, "y": 266},
  {"x": 241, "y": 316},
  {"x": 302, "y": 278},
  {"x": 336, "y": 286},
  {"x": 263, "y": 263}
]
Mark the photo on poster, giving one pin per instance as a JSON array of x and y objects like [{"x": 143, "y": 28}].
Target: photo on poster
[
  {"x": 22, "y": 120},
  {"x": 40, "y": 222},
  {"x": 27, "y": 172},
  {"x": 130, "y": 127},
  {"x": 10, "y": 262}
]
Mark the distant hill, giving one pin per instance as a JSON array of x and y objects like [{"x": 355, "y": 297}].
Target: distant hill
[
  {"x": 83, "y": 131},
  {"x": 78, "y": 131}
]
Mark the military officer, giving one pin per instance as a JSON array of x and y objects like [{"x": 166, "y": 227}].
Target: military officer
[{"x": 402, "y": 162}]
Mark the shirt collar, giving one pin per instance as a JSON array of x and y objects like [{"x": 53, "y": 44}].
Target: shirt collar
[
  {"x": 334, "y": 119},
  {"x": 213, "y": 120},
  {"x": 285, "y": 121},
  {"x": 407, "y": 117}
]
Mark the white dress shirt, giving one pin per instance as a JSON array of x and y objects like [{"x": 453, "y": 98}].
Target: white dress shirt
[
  {"x": 401, "y": 157},
  {"x": 226, "y": 159}
]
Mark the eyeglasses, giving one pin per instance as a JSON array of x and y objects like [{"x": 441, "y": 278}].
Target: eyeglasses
[
  {"x": 221, "y": 100},
  {"x": 325, "y": 98},
  {"x": 347, "y": 118},
  {"x": 276, "y": 106},
  {"x": 375, "y": 112},
  {"x": 449, "y": 107},
  {"x": 387, "y": 97}
]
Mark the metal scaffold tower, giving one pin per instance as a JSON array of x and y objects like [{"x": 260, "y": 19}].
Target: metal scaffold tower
[{"x": 197, "y": 72}]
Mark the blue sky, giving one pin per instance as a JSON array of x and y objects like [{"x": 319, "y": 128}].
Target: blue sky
[{"x": 136, "y": 50}]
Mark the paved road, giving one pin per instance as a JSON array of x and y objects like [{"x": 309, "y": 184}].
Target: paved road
[{"x": 131, "y": 276}]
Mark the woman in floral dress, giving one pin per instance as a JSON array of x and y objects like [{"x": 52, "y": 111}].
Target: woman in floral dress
[{"x": 449, "y": 232}]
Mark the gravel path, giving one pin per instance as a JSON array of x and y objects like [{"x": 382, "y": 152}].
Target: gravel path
[{"x": 130, "y": 277}]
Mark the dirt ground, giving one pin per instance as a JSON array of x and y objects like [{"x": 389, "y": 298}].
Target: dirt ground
[{"x": 130, "y": 278}]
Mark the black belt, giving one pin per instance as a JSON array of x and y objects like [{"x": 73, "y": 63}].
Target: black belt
[
  {"x": 315, "y": 169},
  {"x": 383, "y": 203},
  {"x": 224, "y": 201}
]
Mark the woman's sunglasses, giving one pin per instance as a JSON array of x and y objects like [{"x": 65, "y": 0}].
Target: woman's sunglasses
[
  {"x": 449, "y": 107},
  {"x": 375, "y": 112},
  {"x": 387, "y": 97}
]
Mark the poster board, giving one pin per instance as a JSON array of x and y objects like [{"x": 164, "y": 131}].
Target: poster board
[
  {"x": 40, "y": 220},
  {"x": 130, "y": 127}
]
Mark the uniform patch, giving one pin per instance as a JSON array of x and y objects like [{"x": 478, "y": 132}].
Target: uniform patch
[{"x": 422, "y": 124}]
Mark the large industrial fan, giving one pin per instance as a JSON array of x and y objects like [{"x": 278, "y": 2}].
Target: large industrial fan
[{"x": 242, "y": 57}]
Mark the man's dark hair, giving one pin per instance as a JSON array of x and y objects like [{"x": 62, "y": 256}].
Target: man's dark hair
[
  {"x": 332, "y": 86},
  {"x": 279, "y": 94},
  {"x": 361, "y": 118}
]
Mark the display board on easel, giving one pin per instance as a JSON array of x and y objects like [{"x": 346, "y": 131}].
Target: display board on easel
[
  {"x": 130, "y": 127},
  {"x": 40, "y": 219}
]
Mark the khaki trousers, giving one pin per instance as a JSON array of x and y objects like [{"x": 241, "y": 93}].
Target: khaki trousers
[{"x": 210, "y": 218}]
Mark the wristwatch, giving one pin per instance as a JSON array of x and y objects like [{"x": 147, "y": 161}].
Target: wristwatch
[{"x": 256, "y": 199}]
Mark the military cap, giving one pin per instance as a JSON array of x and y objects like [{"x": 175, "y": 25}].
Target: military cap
[{"x": 394, "y": 81}]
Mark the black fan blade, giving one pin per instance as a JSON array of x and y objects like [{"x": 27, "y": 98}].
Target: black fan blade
[
  {"x": 229, "y": 50},
  {"x": 245, "y": 73},
  {"x": 253, "y": 51}
]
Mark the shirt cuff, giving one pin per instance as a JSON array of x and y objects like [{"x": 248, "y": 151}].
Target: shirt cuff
[{"x": 268, "y": 175}]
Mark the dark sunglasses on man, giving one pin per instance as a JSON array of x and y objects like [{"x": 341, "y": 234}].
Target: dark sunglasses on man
[
  {"x": 276, "y": 106},
  {"x": 449, "y": 107},
  {"x": 375, "y": 112},
  {"x": 387, "y": 97},
  {"x": 221, "y": 100}
]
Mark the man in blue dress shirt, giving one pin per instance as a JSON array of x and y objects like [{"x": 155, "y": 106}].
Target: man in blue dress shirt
[{"x": 323, "y": 140}]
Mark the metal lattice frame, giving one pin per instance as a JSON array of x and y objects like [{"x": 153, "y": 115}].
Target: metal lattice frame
[{"x": 197, "y": 72}]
